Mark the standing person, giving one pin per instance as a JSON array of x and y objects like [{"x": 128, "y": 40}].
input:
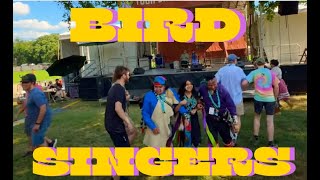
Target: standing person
[
  {"x": 39, "y": 114},
  {"x": 231, "y": 76},
  {"x": 116, "y": 119},
  {"x": 266, "y": 85},
  {"x": 28, "y": 130},
  {"x": 283, "y": 89},
  {"x": 188, "y": 93},
  {"x": 219, "y": 112},
  {"x": 194, "y": 58},
  {"x": 159, "y": 106}
]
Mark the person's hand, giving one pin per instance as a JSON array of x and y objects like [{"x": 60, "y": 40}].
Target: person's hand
[
  {"x": 193, "y": 111},
  {"x": 184, "y": 102},
  {"x": 15, "y": 118},
  {"x": 156, "y": 131},
  {"x": 186, "y": 123},
  {"x": 235, "y": 124},
  {"x": 36, "y": 128},
  {"x": 130, "y": 126},
  {"x": 199, "y": 106}
]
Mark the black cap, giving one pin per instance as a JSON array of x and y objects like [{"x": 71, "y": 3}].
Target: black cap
[{"x": 28, "y": 78}]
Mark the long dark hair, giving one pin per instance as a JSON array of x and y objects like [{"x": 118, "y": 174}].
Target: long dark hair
[{"x": 182, "y": 90}]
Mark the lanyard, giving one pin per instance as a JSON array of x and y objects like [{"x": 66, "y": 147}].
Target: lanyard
[
  {"x": 213, "y": 103},
  {"x": 162, "y": 98},
  {"x": 191, "y": 103}
]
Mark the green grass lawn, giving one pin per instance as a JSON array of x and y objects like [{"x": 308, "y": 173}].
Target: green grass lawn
[
  {"x": 42, "y": 75},
  {"x": 82, "y": 125}
]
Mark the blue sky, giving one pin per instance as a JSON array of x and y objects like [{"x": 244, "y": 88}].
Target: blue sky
[{"x": 32, "y": 19}]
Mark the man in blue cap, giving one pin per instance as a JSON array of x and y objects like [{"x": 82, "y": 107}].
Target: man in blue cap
[
  {"x": 231, "y": 77},
  {"x": 39, "y": 114},
  {"x": 159, "y": 106}
]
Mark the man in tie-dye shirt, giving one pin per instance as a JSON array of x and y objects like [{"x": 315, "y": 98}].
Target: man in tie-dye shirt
[{"x": 266, "y": 85}]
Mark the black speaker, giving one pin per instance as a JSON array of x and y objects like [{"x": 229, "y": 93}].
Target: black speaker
[
  {"x": 138, "y": 71},
  {"x": 295, "y": 77},
  {"x": 288, "y": 7},
  {"x": 92, "y": 88},
  {"x": 197, "y": 67}
]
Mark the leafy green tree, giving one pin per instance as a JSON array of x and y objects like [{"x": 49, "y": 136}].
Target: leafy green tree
[
  {"x": 268, "y": 7},
  {"x": 67, "y": 5},
  {"x": 22, "y": 52},
  {"x": 45, "y": 49}
]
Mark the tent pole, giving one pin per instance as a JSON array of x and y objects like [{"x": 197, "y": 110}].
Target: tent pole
[
  {"x": 99, "y": 60},
  {"x": 280, "y": 38},
  {"x": 260, "y": 32}
]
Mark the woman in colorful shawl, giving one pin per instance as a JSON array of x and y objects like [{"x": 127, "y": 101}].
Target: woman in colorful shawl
[{"x": 189, "y": 130}]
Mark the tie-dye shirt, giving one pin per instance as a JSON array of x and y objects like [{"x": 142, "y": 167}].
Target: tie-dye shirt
[{"x": 263, "y": 80}]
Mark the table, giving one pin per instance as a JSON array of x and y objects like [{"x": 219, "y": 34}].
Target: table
[{"x": 48, "y": 92}]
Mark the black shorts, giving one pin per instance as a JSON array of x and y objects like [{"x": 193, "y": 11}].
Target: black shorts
[
  {"x": 268, "y": 106},
  {"x": 219, "y": 127},
  {"x": 119, "y": 139}
]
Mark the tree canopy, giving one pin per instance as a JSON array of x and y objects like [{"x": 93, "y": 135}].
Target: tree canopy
[
  {"x": 67, "y": 5},
  {"x": 268, "y": 7},
  {"x": 43, "y": 49}
]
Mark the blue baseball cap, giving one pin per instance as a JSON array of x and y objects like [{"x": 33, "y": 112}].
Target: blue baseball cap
[
  {"x": 159, "y": 80},
  {"x": 232, "y": 57}
]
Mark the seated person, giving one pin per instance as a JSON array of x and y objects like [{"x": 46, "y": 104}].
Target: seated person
[
  {"x": 51, "y": 86},
  {"x": 59, "y": 87},
  {"x": 184, "y": 59}
]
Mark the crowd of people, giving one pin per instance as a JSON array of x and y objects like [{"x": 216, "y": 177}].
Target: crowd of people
[{"x": 171, "y": 117}]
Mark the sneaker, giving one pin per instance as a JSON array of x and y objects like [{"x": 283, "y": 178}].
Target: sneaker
[
  {"x": 254, "y": 141},
  {"x": 53, "y": 143},
  {"x": 273, "y": 145}
]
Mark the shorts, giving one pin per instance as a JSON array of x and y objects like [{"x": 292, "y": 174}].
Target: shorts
[
  {"x": 119, "y": 139},
  {"x": 269, "y": 107},
  {"x": 219, "y": 127},
  {"x": 38, "y": 137},
  {"x": 240, "y": 109}
]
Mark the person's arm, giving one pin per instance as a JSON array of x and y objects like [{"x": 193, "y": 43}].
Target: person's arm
[
  {"x": 275, "y": 84},
  {"x": 245, "y": 82},
  {"x": 21, "y": 109},
  {"x": 41, "y": 102},
  {"x": 228, "y": 100},
  {"x": 147, "y": 112},
  {"x": 119, "y": 97},
  {"x": 179, "y": 105},
  {"x": 119, "y": 110}
]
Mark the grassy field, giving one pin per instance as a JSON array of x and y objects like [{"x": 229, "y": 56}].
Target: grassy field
[
  {"x": 42, "y": 75},
  {"x": 83, "y": 125}
]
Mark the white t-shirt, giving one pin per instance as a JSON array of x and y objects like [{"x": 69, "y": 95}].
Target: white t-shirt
[{"x": 278, "y": 72}]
